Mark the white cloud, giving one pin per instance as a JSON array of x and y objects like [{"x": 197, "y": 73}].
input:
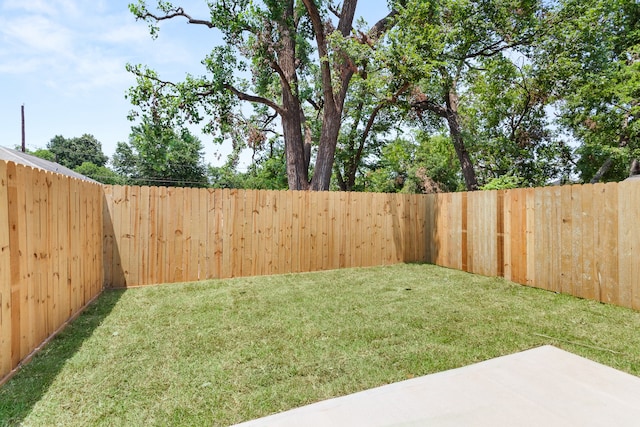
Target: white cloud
[
  {"x": 33, "y": 35},
  {"x": 43, "y": 7},
  {"x": 125, "y": 34}
]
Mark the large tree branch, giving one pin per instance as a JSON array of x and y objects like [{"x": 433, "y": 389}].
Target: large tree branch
[
  {"x": 369, "y": 39},
  {"x": 372, "y": 118},
  {"x": 423, "y": 103},
  {"x": 176, "y": 13},
  {"x": 208, "y": 90},
  {"x": 383, "y": 25},
  {"x": 323, "y": 52},
  {"x": 251, "y": 98},
  {"x": 347, "y": 13}
]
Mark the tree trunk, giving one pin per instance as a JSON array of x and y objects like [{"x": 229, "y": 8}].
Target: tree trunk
[
  {"x": 297, "y": 164},
  {"x": 453, "y": 120},
  {"x": 326, "y": 152},
  {"x": 333, "y": 101}
]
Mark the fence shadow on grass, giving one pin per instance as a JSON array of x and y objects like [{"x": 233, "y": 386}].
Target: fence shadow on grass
[{"x": 19, "y": 395}]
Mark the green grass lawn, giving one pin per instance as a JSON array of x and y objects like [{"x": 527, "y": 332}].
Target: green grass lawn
[{"x": 222, "y": 352}]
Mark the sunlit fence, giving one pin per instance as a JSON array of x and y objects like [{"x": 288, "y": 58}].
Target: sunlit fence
[
  {"x": 63, "y": 240},
  {"x": 51, "y": 262},
  {"x": 163, "y": 235},
  {"x": 582, "y": 240}
]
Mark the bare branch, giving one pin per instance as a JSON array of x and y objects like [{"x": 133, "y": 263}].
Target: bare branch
[
  {"x": 314, "y": 104},
  {"x": 178, "y": 12},
  {"x": 209, "y": 91},
  {"x": 335, "y": 11},
  {"x": 382, "y": 26},
  {"x": 389, "y": 101},
  {"x": 250, "y": 98}
]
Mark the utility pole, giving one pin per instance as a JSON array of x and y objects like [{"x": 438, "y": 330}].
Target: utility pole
[{"x": 24, "y": 145}]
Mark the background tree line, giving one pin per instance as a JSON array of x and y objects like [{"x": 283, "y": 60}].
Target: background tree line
[{"x": 438, "y": 95}]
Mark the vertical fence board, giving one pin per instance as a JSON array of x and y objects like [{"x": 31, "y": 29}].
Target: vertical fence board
[
  {"x": 526, "y": 240},
  {"x": 517, "y": 236},
  {"x": 608, "y": 226},
  {"x": 238, "y": 241},
  {"x": 566, "y": 227},
  {"x": 152, "y": 247},
  {"x": 528, "y": 225},
  {"x": 266, "y": 224},
  {"x": 40, "y": 280},
  {"x": 285, "y": 230},
  {"x": 218, "y": 196},
  {"x": 577, "y": 278},
  {"x": 633, "y": 191},
  {"x": 143, "y": 235},
  {"x": 195, "y": 234},
  {"x": 588, "y": 246},
  {"x": 247, "y": 233},
  {"x": 5, "y": 275},
  {"x": 15, "y": 213},
  {"x": 256, "y": 244},
  {"x": 333, "y": 234},
  {"x": 314, "y": 221},
  {"x": 226, "y": 232},
  {"x": 210, "y": 245},
  {"x": 554, "y": 237},
  {"x": 26, "y": 262}
]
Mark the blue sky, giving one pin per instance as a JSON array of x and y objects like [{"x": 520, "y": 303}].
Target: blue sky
[{"x": 65, "y": 61}]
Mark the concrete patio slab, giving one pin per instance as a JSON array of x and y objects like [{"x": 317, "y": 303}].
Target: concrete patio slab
[{"x": 544, "y": 386}]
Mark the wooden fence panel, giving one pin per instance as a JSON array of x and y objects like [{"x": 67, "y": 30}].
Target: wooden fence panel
[
  {"x": 629, "y": 244},
  {"x": 178, "y": 234},
  {"x": 51, "y": 256},
  {"x": 569, "y": 239}
]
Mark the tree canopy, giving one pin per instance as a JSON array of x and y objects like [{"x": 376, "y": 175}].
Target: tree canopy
[
  {"x": 73, "y": 152},
  {"x": 591, "y": 64},
  {"x": 157, "y": 155},
  {"x": 296, "y": 56},
  {"x": 526, "y": 92}
]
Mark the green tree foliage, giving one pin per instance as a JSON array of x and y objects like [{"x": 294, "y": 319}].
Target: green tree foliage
[
  {"x": 100, "y": 173},
  {"x": 507, "y": 127},
  {"x": 591, "y": 62},
  {"x": 157, "y": 155},
  {"x": 425, "y": 164},
  {"x": 297, "y": 53},
  {"x": 43, "y": 153},
  {"x": 73, "y": 152},
  {"x": 267, "y": 172},
  {"x": 444, "y": 45},
  {"x": 373, "y": 109}
]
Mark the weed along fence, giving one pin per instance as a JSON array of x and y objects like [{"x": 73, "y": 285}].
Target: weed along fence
[
  {"x": 163, "y": 235},
  {"x": 50, "y": 255},
  {"x": 62, "y": 240},
  {"x": 582, "y": 240}
]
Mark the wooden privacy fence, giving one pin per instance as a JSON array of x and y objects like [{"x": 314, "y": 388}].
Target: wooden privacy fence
[
  {"x": 50, "y": 255},
  {"x": 163, "y": 235},
  {"x": 582, "y": 240},
  {"x": 62, "y": 240}
]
